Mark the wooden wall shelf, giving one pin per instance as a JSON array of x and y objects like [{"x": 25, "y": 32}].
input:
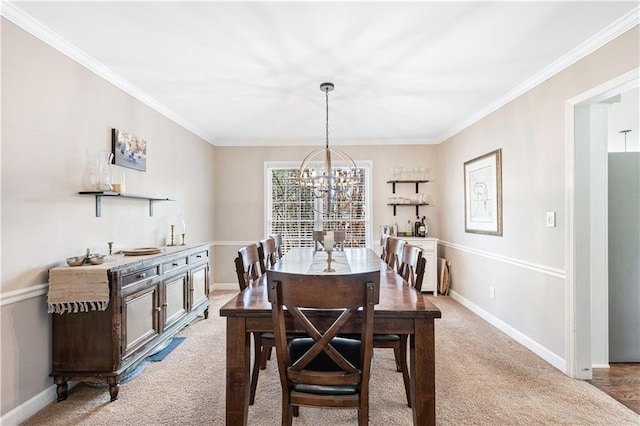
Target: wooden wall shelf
[
  {"x": 408, "y": 204},
  {"x": 417, "y": 182},
  {"x": 99, "y": 194}
]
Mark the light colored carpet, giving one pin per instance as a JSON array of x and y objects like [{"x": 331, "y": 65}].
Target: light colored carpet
[{"x": 483, "y": 377}]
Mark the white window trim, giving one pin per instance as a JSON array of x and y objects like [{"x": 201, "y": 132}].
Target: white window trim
[{"x": 367, "y": 165}]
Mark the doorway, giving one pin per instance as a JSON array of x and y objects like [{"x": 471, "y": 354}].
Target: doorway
[{"x": 586, "y": 249}]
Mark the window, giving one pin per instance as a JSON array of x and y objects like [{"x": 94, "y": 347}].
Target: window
[{"x": 290, "y": 213}]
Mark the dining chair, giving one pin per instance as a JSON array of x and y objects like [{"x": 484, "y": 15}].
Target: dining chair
[
  {"x": 383, "y": 245},
  {"x": 268, "y": 252},
  {"x": 394, "y": 252},
  {"x": 324, "y": 370},
  {"x": 278, "y": 240},
  {"x": 249, "y": 267},
  {"x": 412, "y": 267},
  {"x": 339, "y": 237}
]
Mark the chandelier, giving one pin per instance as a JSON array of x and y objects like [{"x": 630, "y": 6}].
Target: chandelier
[{"x": 329, "y": 176}]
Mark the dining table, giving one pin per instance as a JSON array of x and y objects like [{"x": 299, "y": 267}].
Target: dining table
[{"x": 401, "y": 310}]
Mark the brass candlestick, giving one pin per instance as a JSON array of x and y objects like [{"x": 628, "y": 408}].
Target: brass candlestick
[
  {"x": 183, "y": 240},
  {"x": 329, "y": 259}
]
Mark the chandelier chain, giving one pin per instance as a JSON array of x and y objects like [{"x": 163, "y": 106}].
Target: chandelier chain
[{"x": 326, "y": 94}]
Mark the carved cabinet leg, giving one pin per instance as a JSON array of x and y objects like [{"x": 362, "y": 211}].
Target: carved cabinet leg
[
  {"x": 206, "y": 313},
  {"x": 114, "y": 387},
  {"x": 62, "y": 388}
]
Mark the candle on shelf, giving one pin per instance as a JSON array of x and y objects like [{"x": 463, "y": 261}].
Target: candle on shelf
[{"x": 328, "y": 241}]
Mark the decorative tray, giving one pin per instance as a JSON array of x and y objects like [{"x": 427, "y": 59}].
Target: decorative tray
[{"x": 141, "y": 251}]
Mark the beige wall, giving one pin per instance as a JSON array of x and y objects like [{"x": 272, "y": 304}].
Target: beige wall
[
  {"x": 521, "y": 264},
  {"x": 239, "y": 186},
  {"x": 53, "y": 111}
]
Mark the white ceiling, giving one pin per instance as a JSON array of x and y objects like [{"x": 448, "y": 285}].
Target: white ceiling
[{"x": 248, "y": 73}]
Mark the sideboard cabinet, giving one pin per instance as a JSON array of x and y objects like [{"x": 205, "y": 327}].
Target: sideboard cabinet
[{"x": 151, "y": 298}]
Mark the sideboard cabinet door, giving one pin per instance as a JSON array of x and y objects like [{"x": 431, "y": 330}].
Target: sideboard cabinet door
[
  {"x": 140, "y": 318},
  {"x": 199, "y": 286},
  {"x": 175, "y": 299}
]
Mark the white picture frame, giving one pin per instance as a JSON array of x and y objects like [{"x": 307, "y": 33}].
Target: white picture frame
[{"x": 483, "y": 194}]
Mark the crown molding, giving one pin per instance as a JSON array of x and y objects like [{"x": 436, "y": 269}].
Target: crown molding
[
  {"x": 617, "y": 28},
  {"x": 44, "y": 33},
  {"x": 316, "y": 142},
  {"x": 29, "y": 24}
]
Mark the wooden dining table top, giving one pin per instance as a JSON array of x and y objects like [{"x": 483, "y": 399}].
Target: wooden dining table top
[{"x": 397, "y": 298}]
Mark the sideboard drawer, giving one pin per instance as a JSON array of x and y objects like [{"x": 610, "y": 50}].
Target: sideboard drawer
[
  {"x": 176, "y": 263},
  {"x": 140, "y": 275},
  {"x": 199, "y": 256}
]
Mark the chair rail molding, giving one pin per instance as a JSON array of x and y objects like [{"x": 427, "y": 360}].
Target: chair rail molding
[
  {"x": 536, "y": 267},
  {"x": 16, "y": 296}
]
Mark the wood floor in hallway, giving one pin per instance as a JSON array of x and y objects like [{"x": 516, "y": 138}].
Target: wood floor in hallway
[{"x": 621, "y": 381}]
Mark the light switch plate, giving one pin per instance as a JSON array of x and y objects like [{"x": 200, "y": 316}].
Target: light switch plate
[{"x": 551, "y": 219}]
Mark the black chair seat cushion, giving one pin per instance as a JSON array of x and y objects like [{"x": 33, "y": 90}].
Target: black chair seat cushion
[
  {"x": 325, "y": 390},
  {"x": 386, "y": 337},
  {"x": 376, "y": 337},
  {"x": 349, "y": 348},
  {"x": 270, "y": 335}
]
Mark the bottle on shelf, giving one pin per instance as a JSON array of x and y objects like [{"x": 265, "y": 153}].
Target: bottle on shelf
[
  {"x": 408, "y": 229},
  {"x": 395, "y": 229},
  {"x": 422, "y": 229},
  {"x": 426, "y": 226},
  {"x": 416, "y": 227}
]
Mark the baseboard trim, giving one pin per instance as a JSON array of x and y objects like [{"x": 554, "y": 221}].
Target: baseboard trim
[
  {"x": 224, "y": 286},
  {"x": 516, "y": 335},
  {"x": 29, "y": 408},
  {"x": 543, "y": 269}
]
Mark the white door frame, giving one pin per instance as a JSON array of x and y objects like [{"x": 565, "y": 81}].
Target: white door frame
[{"x": 577, "y": 295}]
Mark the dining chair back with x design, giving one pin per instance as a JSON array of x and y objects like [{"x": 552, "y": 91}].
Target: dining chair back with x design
[{"x": 324, "y": 370}]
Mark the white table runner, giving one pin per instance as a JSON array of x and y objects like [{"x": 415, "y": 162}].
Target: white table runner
[{"x": 339, "y": 263}]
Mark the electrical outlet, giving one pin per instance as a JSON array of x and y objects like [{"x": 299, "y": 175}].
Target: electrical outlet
[
  {"x": 551, "y": 219},
  {"x": 492, "y": 292}
]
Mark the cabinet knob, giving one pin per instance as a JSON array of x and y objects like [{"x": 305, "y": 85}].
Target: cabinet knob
[
  {"x": 199, "y": 256},
  {"x": 175, "y": 264},
  {"x": 142, "y": 275},
  {"x": 165, "y": 304},
  {"x": 158, "y": 309}
]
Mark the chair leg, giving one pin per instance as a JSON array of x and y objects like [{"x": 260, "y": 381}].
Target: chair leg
[
  {"x": 266, "y": 355},
  {"x": 397, "y": 356},
  {"x": 404, "y": 367},
  {"x": 296, "y": 411},
  {"x": 287, "y": 414},
  {"x": 363, "y": 415},
  {"x": 257, "y": 357}
]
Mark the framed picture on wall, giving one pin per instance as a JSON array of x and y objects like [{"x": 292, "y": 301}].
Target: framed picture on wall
[
  {"x": 128, "y": 150},
  {"x": 483, "y": 194}
]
